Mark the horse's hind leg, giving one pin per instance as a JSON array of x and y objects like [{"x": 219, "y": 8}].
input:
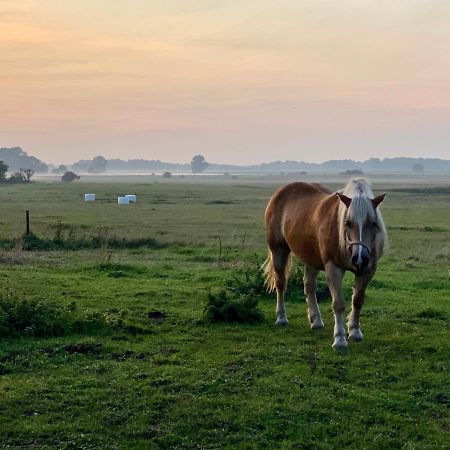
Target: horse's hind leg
[
  {"x": 310, "y": 287},
  {"x": 280, "y": 260}
]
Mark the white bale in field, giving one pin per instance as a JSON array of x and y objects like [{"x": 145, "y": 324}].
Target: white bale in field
[
  {"x": 123, "y": 201},
  {"x": 131, "y": 197},
  {"x": 89, "y": 197}
]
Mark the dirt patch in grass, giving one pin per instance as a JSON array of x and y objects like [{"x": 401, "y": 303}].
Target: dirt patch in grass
[
  {"x": 432, "y": 314},
  {"x": 444, "y": 190},
  {"x": 219, "y": 202},
  {"x": 21, "y": 258},
  {"x": 426, "y": 229},
  {"x": 156, "y": 315},
  {"x": 84, "y": 348}
]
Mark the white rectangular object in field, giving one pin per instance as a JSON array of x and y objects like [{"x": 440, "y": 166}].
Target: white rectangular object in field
[
  {"x": 89, "y": 197},
  {"x": 123, "y": 201},
  {"x": 131, "y": 197}
]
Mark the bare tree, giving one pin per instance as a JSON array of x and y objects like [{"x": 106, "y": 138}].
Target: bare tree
[{"x": 27, "y": 174}]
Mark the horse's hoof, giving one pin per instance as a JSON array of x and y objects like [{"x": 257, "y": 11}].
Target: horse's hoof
[
  {"x": 282, "y": 322},
  {"x": 317, "y": 325},
  {"x": 355, "y": 335},
  {"x": 340, "y": 345}
]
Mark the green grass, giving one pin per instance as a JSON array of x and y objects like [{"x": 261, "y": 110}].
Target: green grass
[{"x": 146, "y": 371}]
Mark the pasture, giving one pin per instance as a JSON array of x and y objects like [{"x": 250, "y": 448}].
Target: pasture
[{"x": 132, "y": 364}]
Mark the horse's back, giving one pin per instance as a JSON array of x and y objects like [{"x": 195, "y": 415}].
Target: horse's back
[
  {"x": 302, "y": 188},
  {"x": 293, "y": 193},
  {"x": 291, "y": 217}
]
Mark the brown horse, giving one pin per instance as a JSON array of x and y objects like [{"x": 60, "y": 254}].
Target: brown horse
[{"x": 326, "y": 231}]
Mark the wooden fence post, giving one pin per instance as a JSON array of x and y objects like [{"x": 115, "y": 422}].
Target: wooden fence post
[{"x": 27, "y": 218}]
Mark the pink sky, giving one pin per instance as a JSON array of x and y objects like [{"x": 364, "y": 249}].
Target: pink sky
[{"x": 240, "y": 82}]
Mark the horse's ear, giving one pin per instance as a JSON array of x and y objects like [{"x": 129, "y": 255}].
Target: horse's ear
[
  {"x": 344, "y": 199},
  {"x": 377, "y": 200}
]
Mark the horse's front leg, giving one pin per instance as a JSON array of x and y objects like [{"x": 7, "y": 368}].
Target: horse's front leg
[
  {"x": 359, "y": 289},
  {"x": 334, "y": 276}
]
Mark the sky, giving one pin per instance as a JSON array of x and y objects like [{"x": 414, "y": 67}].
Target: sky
[{"x": 240, "y": 82}]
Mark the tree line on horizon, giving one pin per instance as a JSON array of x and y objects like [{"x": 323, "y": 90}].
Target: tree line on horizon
[{"x": 16, "y": 159}]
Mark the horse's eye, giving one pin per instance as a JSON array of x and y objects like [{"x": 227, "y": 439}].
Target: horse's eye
[
  {"x": 374, "y": 224},
  {"x": 348, "y": 223}
]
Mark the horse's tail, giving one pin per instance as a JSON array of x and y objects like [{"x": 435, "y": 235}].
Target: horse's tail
[{"x": 269, "y": 272}]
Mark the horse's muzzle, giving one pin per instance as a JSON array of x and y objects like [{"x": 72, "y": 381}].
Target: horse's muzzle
[{"x": 360, "y": 256}]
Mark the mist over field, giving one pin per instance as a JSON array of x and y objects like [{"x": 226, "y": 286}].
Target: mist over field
[{"x": 17, "y": 158}]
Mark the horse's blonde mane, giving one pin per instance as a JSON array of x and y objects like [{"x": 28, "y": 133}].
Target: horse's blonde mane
[{"x": 360, "y": 191}]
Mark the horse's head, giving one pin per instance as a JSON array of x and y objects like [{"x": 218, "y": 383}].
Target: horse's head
[{"x": 362, "y": 231}]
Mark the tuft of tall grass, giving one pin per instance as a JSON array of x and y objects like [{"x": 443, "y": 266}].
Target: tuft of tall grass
[
  {"x": 45, "y": 318},
  {"x": 226, "y": 306},
  {"x": 32, "y": 242},
  {"x": 238, "y": 300},
  {"x": 31, "y": 317},
  {"x": 251, "y": 280}
]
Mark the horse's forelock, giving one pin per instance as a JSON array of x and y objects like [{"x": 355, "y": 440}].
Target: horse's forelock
[{"x": 361, "y": 208}]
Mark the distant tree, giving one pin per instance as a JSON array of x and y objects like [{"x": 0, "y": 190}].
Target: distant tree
[
  {"x": 16, "y": 158},
  {"x": 98, "y": 165},
  {"x": 167, "y": 175},
  {"x": 352, "y": 172},
  {"x": 81, "y": 166},
  {"x": 60, "y": 169},
  {"x": 418, "y": 168},
  {"x": 198, "y": 164},
  {"x": 27, "y": 174},
  {"x": 24, "y": 176},
  {"x": 70, "y": 176},
  {"x": 373, "y": 164},
  {"x": 3, "y": 170}
]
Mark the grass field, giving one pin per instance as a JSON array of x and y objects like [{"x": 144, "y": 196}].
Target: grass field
[{"x": 133, "y": 365}]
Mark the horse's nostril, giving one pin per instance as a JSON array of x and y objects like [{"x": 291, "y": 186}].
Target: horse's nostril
[{"x": 365, "y": 261}]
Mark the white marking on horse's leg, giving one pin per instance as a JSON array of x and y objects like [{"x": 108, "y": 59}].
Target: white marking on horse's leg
[
  {"x": 334, "y": 277},
  {"x": 353, "y": 325},
  {"x": 280, "y": 262},
  {"x": 355, "y": 335},
  {"x": 281, "y": 309},
  {"x": 310, "y": 286}
]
